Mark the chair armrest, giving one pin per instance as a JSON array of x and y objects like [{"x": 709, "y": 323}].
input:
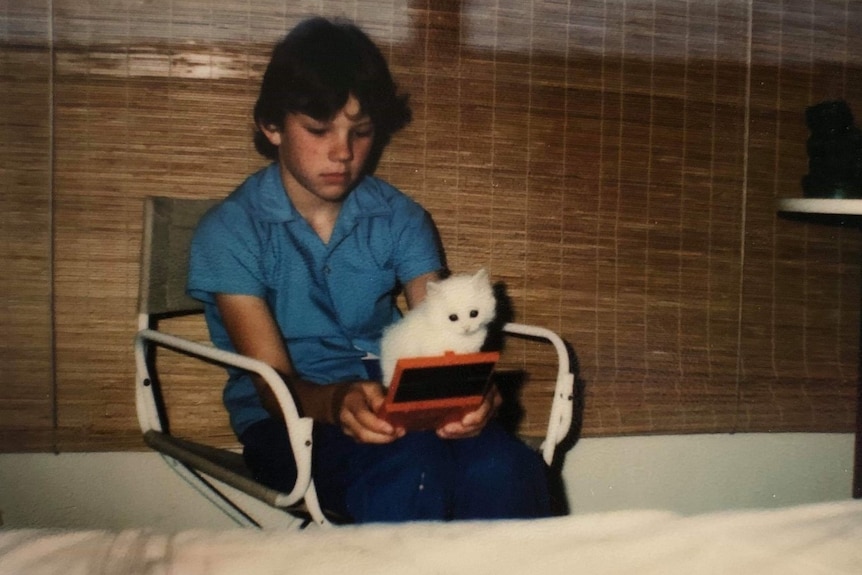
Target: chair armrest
[
  {"x": 560, "y": 419},
  {"x": 264, "y": 370},
  {"x": 299, "y": 428}
]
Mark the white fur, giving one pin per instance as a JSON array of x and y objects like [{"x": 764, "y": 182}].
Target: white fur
[{"x": 442, "y": 322}]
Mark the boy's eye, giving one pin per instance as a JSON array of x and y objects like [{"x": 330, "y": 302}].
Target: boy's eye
[
  {"x": 315, "y": 130},
  {"x": 363, "y": 132}
]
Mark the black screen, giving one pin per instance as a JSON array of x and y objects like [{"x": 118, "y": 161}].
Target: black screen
[{"x": 424, "y": 383}]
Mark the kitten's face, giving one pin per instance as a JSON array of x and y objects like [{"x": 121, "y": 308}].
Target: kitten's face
[{"x": 462, "y": 304}]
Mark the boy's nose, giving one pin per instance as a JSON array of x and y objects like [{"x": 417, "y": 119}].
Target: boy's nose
[{"x": 341, "y": 150}]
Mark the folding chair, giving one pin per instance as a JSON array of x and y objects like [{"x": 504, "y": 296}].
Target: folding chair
[{"x": 168, "y": 227}]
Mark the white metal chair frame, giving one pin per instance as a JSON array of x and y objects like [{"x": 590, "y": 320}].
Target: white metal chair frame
[{"x": 191, "y": 460}]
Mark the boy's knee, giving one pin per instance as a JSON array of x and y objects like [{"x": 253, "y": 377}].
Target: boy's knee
[
  {"x": 508, "y": 480},
  {"x": 411, "y": 483},
  {"x": 508, "y": 464}
]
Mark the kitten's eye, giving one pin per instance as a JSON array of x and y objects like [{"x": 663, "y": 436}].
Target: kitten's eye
[
  {"x": 453, "y": 317},
  {"x": 474, "y": 313}
]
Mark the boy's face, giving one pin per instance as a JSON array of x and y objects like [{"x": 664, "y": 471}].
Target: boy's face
[{"x": 322, "y": 160}]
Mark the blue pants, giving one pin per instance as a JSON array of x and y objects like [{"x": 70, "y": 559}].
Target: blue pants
[{"x": 417, "y": 477}]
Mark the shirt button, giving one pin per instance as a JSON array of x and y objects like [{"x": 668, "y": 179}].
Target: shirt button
[{"x": 326, "y": 270}]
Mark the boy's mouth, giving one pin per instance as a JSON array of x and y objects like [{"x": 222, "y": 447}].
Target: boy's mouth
[{"x": 336, "y": 177}]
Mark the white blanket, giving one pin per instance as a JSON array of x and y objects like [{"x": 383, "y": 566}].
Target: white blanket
[{"x": 809, "y": 540}]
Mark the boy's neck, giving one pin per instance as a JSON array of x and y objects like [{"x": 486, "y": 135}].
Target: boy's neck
[
  {"x": 323, "y": 224},
  {"x": 320, "y": 214}
]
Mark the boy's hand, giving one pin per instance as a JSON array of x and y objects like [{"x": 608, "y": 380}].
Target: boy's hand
[
  {"x": 359, "y": 404},
  {"x": 474, "y": 422}
]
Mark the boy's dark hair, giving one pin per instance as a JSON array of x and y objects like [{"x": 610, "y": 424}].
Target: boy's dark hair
[{"x": 315, "y": 68}]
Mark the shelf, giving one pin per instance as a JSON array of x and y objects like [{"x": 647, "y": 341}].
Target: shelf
[
  {"x": 820, "y": 206},
  {"x": 835, "y": 207}
]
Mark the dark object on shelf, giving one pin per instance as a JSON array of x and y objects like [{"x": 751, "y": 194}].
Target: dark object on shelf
[{"x": 834, "y": 152}]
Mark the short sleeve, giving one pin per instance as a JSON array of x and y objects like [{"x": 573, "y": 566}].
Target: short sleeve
[
  {"x": 417, "y": 243},
  {"x": 225, "y": 255}
]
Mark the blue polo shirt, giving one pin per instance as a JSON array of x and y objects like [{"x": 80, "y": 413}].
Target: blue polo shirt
[{"x": 330, "y": 300}]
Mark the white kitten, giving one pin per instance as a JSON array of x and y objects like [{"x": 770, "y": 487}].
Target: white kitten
[{"x": 454, "y": 316}]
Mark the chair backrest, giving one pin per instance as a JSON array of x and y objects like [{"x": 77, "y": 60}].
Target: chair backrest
[{"x": 168, "y": 227}]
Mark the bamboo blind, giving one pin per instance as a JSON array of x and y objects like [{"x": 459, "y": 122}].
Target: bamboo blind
[
  {"x": 26, "y": 383},
  {"x": 615, "y": 164}
]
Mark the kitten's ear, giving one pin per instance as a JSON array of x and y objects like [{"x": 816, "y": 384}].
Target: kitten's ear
[
  {"x": 432, "y": 287},
  {"x": 481, "y": 276}
]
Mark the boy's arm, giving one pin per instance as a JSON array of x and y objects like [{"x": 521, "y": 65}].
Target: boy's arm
[
  {"x": 415, "y": 289},
  {"x": 254, "y": 333}
]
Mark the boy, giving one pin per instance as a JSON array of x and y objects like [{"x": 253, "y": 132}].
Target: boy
[{"x": 298, "y": 267}]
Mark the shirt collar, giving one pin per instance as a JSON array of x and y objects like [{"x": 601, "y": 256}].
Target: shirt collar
[
  {"x": 364, "y": 201},
  {"x": 274, "y": 204}
]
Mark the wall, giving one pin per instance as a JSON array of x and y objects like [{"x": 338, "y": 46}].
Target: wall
[
  {"x": 614, "y": 163},
  {"x": 686, "y": 474}
]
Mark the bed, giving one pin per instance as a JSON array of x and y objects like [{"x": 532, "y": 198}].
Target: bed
[{"x": 810, "y": 539}]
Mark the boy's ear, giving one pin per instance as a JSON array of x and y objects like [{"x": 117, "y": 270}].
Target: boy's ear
[{"x": 272, "y": 133}]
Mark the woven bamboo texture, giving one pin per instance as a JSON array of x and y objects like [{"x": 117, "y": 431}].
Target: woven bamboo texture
[{"x": 614, "y": 164}]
